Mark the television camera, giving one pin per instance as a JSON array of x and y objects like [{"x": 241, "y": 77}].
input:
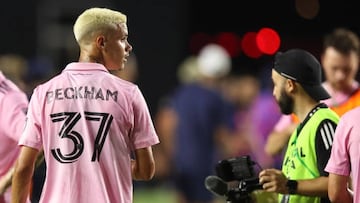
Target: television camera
[{"x": 237, "y": 169}]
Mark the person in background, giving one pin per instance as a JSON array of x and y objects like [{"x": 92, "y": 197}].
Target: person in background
[
  {"x": 13, "y": 107},
  {"x": 95, "y": 129},
  {"x": 340, "y": 62},
  {"x": 245, "y": 91},
  {"x": 165, "y": 121},
  {"x": 297, "y": 88},
  {"x": 252, "y": 98},
  {"x": 242, "y": 89},
  {"x": 197, "y": 124}
]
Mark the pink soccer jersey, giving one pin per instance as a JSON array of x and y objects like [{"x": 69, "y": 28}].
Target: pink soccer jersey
[
  {"x": 13, "y": 105},
  {"x": 88, "y": 121},
  {"x": 345, "y": 159}
]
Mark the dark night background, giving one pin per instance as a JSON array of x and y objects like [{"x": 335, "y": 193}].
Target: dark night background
[{"x": 160, "y": 31}]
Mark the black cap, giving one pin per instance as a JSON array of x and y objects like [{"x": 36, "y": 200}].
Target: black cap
[{"x": 302, "y": 67}]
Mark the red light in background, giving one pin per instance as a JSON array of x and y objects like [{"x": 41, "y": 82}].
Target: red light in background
[
  {"x": 198, "y": 41},
  {"x": 249, "y": 46},
  {"x": 230, "y": 41},
  {"x": 268, "y": 41}
]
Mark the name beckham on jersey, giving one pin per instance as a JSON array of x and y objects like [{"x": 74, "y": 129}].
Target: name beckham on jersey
[{"x": 82, "y": 92}]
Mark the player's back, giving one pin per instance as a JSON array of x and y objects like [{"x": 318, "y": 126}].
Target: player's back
[{"x": 87, "y": 116}]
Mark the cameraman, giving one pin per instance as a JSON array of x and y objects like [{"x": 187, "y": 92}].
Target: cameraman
[{"x": 296, "y": 76}]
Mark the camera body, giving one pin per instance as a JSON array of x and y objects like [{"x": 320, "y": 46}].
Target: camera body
[{"x": 239, "y": 169}]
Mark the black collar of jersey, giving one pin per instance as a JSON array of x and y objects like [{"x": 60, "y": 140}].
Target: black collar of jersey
[{"x": 309, "y": 115}]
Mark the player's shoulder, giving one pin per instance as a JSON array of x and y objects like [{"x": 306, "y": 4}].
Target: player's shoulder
[
  {"x": 13, "y": 96},
  {"x": 117, "y": 82},
  {"x": 351, "y": 115}
]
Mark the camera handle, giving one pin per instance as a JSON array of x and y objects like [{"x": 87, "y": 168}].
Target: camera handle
[
  {"x": 242, "y": 193},
  {"x": 237, "y": 195}
]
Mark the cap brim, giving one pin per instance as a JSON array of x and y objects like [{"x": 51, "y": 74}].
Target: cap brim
[{"x": 317, "y": 92}]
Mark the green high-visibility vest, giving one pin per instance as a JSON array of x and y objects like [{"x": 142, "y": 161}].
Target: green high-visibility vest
[{"x": 300, "y": 161}]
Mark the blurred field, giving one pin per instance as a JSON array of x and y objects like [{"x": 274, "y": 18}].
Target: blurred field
[
  {"x": 154, "y": 195},
  {"x": 161, "y": 194},
  {"x": 165, "y": 194}
]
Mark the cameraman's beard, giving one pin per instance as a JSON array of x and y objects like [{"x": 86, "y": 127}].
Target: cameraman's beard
[{"x": 286, "y": 103}]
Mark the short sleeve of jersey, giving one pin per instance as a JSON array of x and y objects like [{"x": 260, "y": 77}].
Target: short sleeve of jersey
[
  {"x": 284, "y": 121},
  {"x": 12, "y": 119},
  {"x": 143, "y": 134},
  {"x": 324, "y": 141},
  {"x": 31, "y": 135},
  {"x": 339, "y": 159}
]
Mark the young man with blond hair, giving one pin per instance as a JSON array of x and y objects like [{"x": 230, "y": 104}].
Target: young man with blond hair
[{"x": 95, "y": 129}]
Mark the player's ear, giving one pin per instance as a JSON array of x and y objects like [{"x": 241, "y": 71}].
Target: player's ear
[{"x": 100, "y": 41}]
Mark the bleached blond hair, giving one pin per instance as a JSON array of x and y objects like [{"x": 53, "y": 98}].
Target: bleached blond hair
[{"x": 96, "y": 19}]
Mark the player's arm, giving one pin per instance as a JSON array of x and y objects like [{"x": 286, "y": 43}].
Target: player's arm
[
  {"x": 338, "y": 165},
  {"x": 24, "y": 170},
  {"x": 5, "y": 181},
  {"x": 338, "y": 189},
  {"x": 278, "y": 139},
  {"x": 13, "y": 122},
  {"x": 143, "y": 167}
]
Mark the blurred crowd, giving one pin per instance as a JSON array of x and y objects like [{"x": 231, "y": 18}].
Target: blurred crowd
[{"x": 217, "y": 112}]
